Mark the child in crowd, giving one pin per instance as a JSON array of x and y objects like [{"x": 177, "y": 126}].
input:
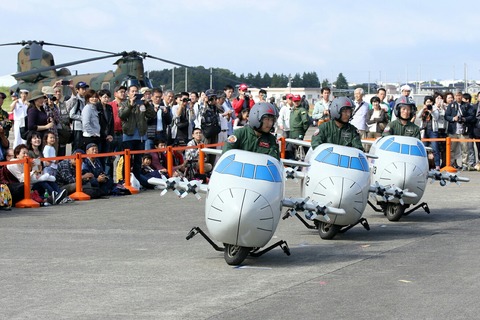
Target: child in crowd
[
  {"x": 149, "y": 177},
  {"x": 49, "y": 151},
  {"x": 242, "y": 119}
]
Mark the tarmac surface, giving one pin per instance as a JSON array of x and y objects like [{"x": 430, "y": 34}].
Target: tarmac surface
[{"x": 127, "y": 258}]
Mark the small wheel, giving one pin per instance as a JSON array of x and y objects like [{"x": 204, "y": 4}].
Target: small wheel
[
  {"x": 234, "y": 255},
  {"x": 394, "y": 212},
  {"x": 327, "y": 230}
]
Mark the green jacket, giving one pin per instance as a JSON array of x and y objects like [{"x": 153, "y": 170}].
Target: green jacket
[
  {"x": 132, "y": 117},
  {"x": 329, "y": 132},
  {"x": 398, "y": 129},
  {"x": 245, "y": 139},
  {"x": 299, "y": 123}
]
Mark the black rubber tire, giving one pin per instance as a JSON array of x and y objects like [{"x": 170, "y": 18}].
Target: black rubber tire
[
  {"x": 234, "y": 255},
  {"x": 327, "y": 230},
  {"x": 394, "y": 212}
]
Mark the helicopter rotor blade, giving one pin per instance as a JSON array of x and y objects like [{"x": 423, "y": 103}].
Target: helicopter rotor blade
[
  {"x": 164, "y": 60},
  {"x": 79, "y": 48},
  {"x": 185, "y": 66},
  {"x": 40, "y": 70}
]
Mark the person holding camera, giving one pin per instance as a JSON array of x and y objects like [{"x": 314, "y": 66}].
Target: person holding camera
[
  {"x": 429, "y": 116},
  {"x": 243, "y": 101},
  {"x": 180, "y": 120},
  {"x": 134, "y": 115}
]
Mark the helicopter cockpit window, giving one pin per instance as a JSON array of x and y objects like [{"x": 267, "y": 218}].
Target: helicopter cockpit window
[
  {"x": 329, "y": 157},
  {"x": 248, "y": 170},
  {"x": 414, "y": 150}
]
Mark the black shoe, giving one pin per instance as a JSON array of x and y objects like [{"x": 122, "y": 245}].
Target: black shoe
[{"x": 60, "y": 196}]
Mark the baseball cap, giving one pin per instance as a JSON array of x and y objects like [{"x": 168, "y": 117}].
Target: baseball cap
[
  {"x": 145, "y": 89},
  {"x": 118, "y": 88},
  {"x": 82, "y": 84},
  {"x": 90, "y": 145},
  {"x": 296, "y": 98},
  {"x": 243, "y": 87},
  {"x": 289, "y": 96},
  {"x": 210, "y": 92},
  {"x": 405, "y": 87}
]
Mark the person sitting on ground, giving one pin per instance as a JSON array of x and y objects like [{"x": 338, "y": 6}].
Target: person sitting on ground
[
  {"x": 66, "y": 173},
  {"x": 55, "y": 194},
  {"x": 93, "y": 165},
  {"x": 191, "y": 155},
  {"x": 159, "y": 159},
  {"x": 149, "y": 177}
]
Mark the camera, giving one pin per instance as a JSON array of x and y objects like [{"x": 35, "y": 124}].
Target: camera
[
  {"x": 65, "y": 82},
  {"x": 138, "y": 99},
  {"x": 6, "y": 125},
  {"x": 429, "y": 107},
  {"x": 51, "y": 97}
]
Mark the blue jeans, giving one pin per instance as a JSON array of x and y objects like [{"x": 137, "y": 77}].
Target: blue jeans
[
  {"x": 136, "y": 158},
  {"x": 429, "y": 134}
]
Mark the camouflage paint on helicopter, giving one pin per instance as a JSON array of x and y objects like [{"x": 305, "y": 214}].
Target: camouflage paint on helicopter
[{"x": 36, "y": 68}]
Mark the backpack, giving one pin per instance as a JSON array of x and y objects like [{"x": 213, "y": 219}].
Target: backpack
[
  {"x": 24, "y": 128},
  {"x": 210, "y": 123},
  {"x": 5, "y": 197}
]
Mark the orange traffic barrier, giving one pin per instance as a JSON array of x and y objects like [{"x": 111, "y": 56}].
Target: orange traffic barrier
[
  {"x": 128, "y": 184},
  {"x": 448, "y": 167},
  {"x": 79, "y": 194},
  {"x": 283, "y": 146},
  {"x": 201, "y": 159},
  {"x": 27, "y": 201}
]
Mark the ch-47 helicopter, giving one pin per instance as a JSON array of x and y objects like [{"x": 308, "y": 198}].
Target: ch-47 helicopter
[
  {"x": 36, "y": 68},
  {"x": 402, "y": 161}
]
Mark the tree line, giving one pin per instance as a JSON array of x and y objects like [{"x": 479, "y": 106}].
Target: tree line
[{"x": 199, "y": 79}]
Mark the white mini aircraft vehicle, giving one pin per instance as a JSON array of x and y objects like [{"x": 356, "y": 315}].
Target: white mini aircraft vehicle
[
  {"x": 245, "y": 196},
  {"x": 340, "y": 177},
  {"x": 402, "y": 162}
]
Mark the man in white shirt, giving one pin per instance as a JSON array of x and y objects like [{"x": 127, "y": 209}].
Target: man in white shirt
[
  {"x": 284, "y": 116},
  {"x": 360, "y": 112}
]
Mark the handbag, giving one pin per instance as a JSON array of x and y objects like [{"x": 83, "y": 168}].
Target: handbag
[{"x": 65, "y": 134}]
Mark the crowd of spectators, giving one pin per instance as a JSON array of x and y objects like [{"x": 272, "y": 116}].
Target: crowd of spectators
[{"x": 141, "y": 118}]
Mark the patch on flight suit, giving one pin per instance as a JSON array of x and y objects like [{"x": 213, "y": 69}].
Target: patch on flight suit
[
  {"x": 346, "y": 135},
  {"x": 264, "y": 144},
  {"x": 387, "y": 129},
  {"x": 409, "y": 132},
  {"x": 232, "y": 139},
  {"x": 316, "y": 132}
]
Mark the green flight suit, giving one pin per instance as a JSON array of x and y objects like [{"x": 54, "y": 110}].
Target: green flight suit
[
  {"x": 245, "y": 138},
  {"x": 299, "y": 123},
  {"x": 329, "y": 132},
  {"x": 396, "y": 128}
]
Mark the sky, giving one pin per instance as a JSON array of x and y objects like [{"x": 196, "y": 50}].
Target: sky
[{"x": 367, "y": 41}]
